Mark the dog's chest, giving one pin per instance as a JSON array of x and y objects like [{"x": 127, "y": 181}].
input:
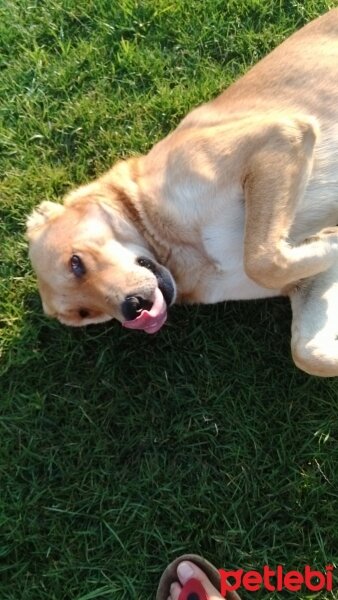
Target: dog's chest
[{"x": 223, "y": 240}]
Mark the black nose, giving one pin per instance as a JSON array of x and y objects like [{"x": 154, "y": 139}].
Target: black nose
[{"x": 132, "y": 306}]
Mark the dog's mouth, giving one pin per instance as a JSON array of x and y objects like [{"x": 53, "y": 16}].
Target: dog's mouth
[{"x": 153, "y": 318}]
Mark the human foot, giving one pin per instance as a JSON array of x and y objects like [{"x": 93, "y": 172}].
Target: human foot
[
  {"x": 191, "y": 577},
  {"x": 188, "y": 572}
]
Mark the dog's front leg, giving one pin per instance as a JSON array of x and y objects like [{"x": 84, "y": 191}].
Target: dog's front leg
[{"x": 275, "y": 180}]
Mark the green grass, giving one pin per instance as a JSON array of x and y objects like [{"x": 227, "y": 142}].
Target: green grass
[{"x": 119, "y": 451}]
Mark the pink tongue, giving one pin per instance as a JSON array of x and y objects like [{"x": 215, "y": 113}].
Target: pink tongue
[{"x": 150, "y": 320}]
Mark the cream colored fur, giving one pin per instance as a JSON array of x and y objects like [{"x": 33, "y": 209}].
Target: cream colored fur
[{"x": 240, "y": 201}]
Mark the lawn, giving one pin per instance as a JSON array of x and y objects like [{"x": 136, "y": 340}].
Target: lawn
[{"x": 119, "y": 450}]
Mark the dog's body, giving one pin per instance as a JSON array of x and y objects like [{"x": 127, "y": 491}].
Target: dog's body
[{"x": 234, "y": 204}]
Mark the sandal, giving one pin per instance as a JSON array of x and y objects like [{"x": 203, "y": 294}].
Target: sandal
[{"x": 193, "y": 589}]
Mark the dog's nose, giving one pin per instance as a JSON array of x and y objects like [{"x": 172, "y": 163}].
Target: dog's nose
[{"x": 132, "y": 306}]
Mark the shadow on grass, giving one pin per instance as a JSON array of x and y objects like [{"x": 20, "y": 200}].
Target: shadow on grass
[{"x": 124, "y": 450}]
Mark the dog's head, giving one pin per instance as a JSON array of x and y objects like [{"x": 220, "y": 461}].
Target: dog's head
[{"x": 93, "y": 263}]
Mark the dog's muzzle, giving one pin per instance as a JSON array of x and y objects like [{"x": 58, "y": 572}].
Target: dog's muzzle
[{"x": 144, "y": 314}]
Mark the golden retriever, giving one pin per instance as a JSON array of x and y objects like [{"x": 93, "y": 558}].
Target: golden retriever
[{"x": 239, "y": 202}]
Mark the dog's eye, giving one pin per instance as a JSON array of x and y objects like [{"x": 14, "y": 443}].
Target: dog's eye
[
  {"x": 77, "y": 266},
  {"x": 146, "y": 263}
]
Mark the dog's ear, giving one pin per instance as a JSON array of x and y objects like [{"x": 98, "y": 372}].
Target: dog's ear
[{"x": 42, "y": 215}]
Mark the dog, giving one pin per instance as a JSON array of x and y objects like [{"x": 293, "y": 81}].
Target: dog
[{"x": 239, "y": 202}]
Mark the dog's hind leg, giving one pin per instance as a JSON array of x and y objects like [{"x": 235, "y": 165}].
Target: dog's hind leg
[{"x": 314, "y": 341}]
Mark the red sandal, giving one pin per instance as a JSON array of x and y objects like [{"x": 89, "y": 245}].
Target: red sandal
[{"x": 193, "y": 589}]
